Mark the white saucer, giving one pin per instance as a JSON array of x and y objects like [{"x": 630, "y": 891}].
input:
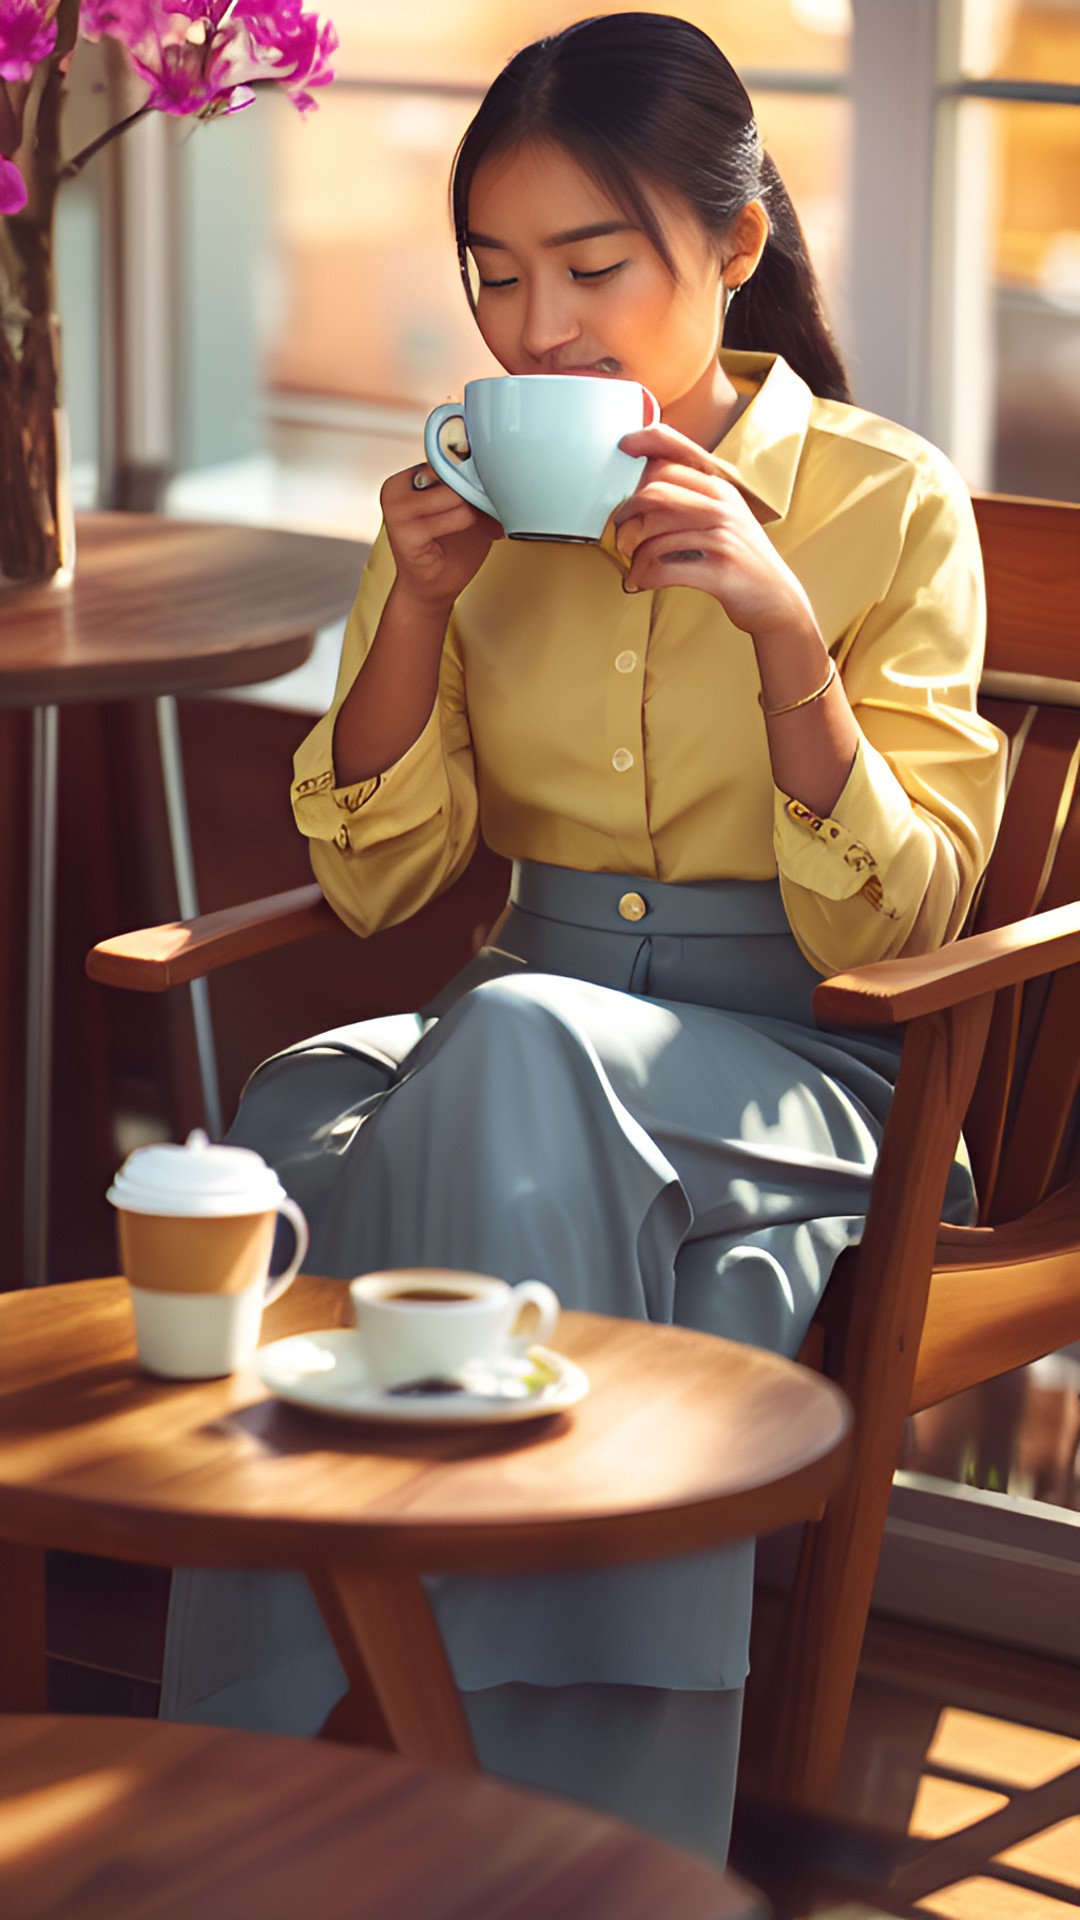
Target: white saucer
[{"x": 325, "y": 1372}]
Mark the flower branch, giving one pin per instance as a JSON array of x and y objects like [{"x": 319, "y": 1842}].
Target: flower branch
[
  {"x": 79, "y": 160},
  {"x": 196, "y": 59}
]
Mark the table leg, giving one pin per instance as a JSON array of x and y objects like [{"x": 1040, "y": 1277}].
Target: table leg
[
  {"x": 176, "y": 808},
  {"x": 390, "y": 1646},
  {"x": 23, "y": 1685},
  {"x": 40, "y": 957}
]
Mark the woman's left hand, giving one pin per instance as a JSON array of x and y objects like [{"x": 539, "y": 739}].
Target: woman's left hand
[{"x": 686, "y": 525}]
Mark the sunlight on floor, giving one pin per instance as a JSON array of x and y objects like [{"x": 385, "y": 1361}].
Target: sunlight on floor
[
  {"x": 1004, "y": 1753},
  {"x": 1053, "y": 1854},
  {"x": 980, "y": 1899},
  {"x": 1011, "y": 1761},
  {"x": 948, "y": 1806}
]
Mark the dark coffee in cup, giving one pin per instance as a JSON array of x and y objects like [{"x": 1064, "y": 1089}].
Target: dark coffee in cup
[
  {"x": 415, "y": 1296},
  {"x": 405, "y": 1341}
]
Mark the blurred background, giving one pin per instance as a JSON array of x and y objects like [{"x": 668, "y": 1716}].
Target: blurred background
[{"x": 258, "y": 313}]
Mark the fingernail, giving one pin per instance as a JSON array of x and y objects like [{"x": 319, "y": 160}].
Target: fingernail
[{"x": 629, "y": 587}]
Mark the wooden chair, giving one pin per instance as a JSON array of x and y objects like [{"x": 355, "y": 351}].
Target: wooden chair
[{"x": 918, "y": 1311}]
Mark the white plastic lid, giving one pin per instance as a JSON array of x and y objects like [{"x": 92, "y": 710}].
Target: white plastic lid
[{"x": 196, "y": 1178}]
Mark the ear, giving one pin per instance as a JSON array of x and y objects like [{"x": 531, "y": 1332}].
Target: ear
[{"x": 745, "y": 244}]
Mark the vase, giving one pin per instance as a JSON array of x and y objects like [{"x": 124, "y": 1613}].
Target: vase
[{"x": 36, "y": 522}]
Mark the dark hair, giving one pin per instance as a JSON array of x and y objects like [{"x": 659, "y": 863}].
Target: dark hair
[{"x": 640, "y": 99}]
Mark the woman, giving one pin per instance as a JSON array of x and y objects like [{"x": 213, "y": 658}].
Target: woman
[{"x": 732, "y": 750}]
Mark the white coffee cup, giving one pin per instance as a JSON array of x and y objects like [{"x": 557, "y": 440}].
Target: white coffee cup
[
  {"x": 424, "y": 1323},
  {"x": 196, "y": 1231},
  {"x": 543, "y": 453}
]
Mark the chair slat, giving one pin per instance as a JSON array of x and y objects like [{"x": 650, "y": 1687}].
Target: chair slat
[
  {"x": 1044, "y": 1104},
  {"x": 1035, "y": 865},
  {"x": 984, "y": 1125},
  {"x": 1063, "y": 883},
  {"x": 987, "y": 1318},
  {"x": 1044, "y": 781},
  {"x": 1031, "y": 554}
]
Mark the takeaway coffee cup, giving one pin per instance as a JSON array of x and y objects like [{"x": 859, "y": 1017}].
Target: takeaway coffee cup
[
  {"x": 196, "y": 1230},
  {"x": 543, "y": 451},
  {"x": 426, "y": 1323}
]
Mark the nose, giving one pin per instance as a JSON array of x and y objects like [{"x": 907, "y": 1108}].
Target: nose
[{"x": 550, "y": 321}]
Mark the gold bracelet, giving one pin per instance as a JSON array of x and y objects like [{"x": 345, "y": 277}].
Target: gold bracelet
[{"x": 807, "y": 699}]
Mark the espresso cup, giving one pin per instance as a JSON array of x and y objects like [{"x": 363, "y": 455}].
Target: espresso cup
[
  {"x": 543, "y": 455},
  {"x": 196, "y": 1231},
  {"x": 426, "y": 1323}
]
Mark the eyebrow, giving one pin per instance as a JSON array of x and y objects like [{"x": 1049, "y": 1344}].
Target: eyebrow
[{"x": 599, "y": 230}]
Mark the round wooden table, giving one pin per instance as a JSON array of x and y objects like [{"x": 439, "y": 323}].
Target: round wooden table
[
  {"x": 134, "y": 1820},
  {"x": 683, "y": 1442},
  {"x": 157, "y": 607},
  {"x": 172, "y": 606}
]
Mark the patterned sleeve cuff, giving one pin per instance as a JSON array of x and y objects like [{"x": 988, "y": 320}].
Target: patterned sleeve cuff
[
  {"x": 411, "y": 790},
  {"x": 323, "y": 810},
  {"x": 351, "y": 799},
  {"x": 850, "y": 851}
]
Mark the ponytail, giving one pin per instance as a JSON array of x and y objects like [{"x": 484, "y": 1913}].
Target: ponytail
[{"x": 779, "y": 309}]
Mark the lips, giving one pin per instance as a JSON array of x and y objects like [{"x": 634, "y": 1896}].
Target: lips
[{"x": 597, "y": 367}]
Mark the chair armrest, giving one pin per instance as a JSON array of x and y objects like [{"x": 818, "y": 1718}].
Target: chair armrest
[
  {"x": 892, "y": 992},
  {"x": 155, "y": 958}
]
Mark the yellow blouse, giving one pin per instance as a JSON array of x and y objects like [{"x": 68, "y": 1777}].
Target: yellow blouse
[{"x": 588, "y": 728}]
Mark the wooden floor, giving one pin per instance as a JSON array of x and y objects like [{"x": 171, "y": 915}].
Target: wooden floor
[{"x": 958, "y": 1795}]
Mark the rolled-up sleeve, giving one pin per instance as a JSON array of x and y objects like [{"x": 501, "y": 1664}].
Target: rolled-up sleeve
[
  {"x": 383, "y": 847},
  {"x": 894, "y": 868}
]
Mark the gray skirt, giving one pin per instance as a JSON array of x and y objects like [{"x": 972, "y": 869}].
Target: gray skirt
[{"x": 625, "y": 1095}]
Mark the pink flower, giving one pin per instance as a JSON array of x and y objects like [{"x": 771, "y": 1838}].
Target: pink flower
[
  {"x": 210, "y": 11},
  {"x": 27, "y": 35},
  {"x": 298, "y": 45},
  {"x": 12, "y": 187},
  {"x": 125, "y": 20},
  {"x": 199, "y": 56},
  {"x": 186, "y": 79}
]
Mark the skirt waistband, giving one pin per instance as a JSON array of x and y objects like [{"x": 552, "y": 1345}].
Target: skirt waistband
[{"x": 628, "y": 903}]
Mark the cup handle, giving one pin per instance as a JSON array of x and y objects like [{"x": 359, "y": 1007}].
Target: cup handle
[
  {"x": 277, "y": 1282},
  {"x": 533, "y": 1293},
  {"x": 652, "y": 401},
  {"x": 459, "y": 475}
]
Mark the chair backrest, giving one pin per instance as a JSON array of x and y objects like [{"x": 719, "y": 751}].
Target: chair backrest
[{"x": 1022, "y": 1128}]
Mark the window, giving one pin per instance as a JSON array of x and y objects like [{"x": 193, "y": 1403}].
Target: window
[
  {"x": 930, "y": 150},
  {"x": 1009, "y": 254}
]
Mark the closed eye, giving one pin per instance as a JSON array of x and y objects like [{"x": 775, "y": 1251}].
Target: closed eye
[{"x": 576, "y": 273}]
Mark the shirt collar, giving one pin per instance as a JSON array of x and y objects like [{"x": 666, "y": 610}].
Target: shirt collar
[
  {"x": 760, "y": 454},
  {"x": 762, "y": 451}
]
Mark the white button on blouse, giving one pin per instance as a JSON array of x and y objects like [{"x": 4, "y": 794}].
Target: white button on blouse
[{"x": 622, "y": 759}]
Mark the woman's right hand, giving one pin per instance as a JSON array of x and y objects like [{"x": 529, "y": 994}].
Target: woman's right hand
[{"x": 439, "y": 542}]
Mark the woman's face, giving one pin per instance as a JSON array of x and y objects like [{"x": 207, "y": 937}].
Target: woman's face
[{"x": 569, "y": 284}]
